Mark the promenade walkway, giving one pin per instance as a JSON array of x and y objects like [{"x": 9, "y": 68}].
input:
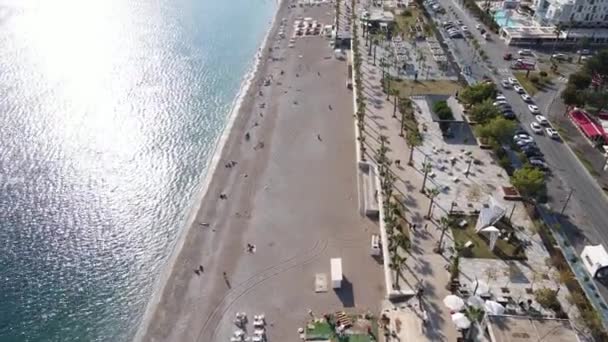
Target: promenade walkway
[{"x": 422, "y": 266}]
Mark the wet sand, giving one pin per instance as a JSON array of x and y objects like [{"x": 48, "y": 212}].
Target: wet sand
[{"x": 293, "y": 194}]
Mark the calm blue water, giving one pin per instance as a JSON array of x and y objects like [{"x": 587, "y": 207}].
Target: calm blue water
[{"x": 108, "y": 114}]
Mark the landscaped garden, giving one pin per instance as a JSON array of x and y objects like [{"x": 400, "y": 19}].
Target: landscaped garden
[{"x": 508, "y": 246}]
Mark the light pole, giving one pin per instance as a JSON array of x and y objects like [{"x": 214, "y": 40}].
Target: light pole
[{"x": 566, "y": 203}]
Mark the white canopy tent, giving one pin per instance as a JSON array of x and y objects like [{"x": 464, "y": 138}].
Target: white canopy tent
[
  {"x": 461, "y": 321},
  {"x": 453, "y": 302}
]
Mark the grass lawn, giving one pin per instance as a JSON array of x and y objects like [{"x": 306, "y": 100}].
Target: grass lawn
[
  {"x": 320, "y": 330},
  {"x": 404, "y": 22},
  {"x": 585, "y": 162},
  {"x": 503, "y": 249},
  {"x": 413, "y": 88},
  {"x": 530, "y": 87}
]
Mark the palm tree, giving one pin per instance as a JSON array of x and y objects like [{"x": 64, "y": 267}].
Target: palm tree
[
  {"x": 557, "y": 30},
  {"x": 426, "y": 168},
  {"x": 412, "y": 140},
  {"x": 444, "y": 223},
  {"x": 432, "y": 193},
  {"x": 395, "y": 93}
]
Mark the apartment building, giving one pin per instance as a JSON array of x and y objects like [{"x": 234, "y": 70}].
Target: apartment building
[{"x": 572, "y": 13}]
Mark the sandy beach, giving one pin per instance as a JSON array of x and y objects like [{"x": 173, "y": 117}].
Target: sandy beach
[{"x": 291, "y": 192}]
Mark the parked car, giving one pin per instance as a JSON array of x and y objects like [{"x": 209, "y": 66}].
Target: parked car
[
  {"x": 532, "y": 152},
  {"x": 584, "y": 52},
  {"x": 523, "y": 143},
  {"x": 513, "y": 81},
  {"x": 522, "y": 137},
  {"x": 505, "y": 84},
  {"x": 533, "y": 109},
  {"x": 519, "y": 89},
  {"x": 542, "y": 120},
  {"x": 500, "y": 103},
  {"x": 508, "y": 114},
  {"x": 478, "y": 26},
  {"x": 525, "y": 52},
  {"x": 536, "y": 128},
  {"x": 552, "y": 133},
  {"x": 526, "y": 97},
  {"x": 507, "y": 56},
  {"x": 559, "y": 56},
  {"x": 539, "y": 164},
  {"x": 501, "y": 97}
]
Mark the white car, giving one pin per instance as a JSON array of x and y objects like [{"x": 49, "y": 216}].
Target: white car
[
  {"x": 526, "y": 97},
  {"x": 501, "y": 98},
  {"x": 542, "y": 120},
  {"x": 478, "y": 26},
  {"x": 525, "y": 52},
  {"x": 500, "y": 103},
  {"x": 534, "y": 109},
  {"x": 552, "y": 132},
  {"x": 513, "y": 81},
  {"x": 519, "y": 89},
  {"x": 505, "y": 84},
  {"x": 523, "y": 137},
  {"x": 536, "y": 128},
  {"x": 464, "y": 28}
]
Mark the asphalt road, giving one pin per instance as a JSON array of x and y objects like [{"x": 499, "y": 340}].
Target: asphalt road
[{"x": 587, "y": 211}]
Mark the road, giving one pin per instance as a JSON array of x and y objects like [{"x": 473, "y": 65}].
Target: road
[{"x": 587, "y": 211}]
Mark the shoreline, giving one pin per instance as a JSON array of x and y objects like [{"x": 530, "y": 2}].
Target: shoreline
[{"x": 251, "y": 77}]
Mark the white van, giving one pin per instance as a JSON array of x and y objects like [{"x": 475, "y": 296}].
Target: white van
[{"x": 376, "y": 248}]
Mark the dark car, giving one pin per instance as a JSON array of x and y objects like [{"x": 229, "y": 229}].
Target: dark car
[
  {"x": 508, "y": 114},
  {"x": 507, "y": 56},
  {"x": 532, "y": 154}
]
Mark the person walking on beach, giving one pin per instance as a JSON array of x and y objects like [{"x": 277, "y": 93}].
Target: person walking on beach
[
  {"x": 319, "y": 137},
  {"x": 200, "y": 267},
  {"x": 226, "y": 280}
]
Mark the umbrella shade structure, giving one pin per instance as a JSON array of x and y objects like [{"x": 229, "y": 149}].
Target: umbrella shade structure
[
  {"x": 494, "y": 308},
  {"x": 461, "y": 321},
  {"x": 491, "y": 213},
  {"x": 492, "y": 232},
  {"x": 476, "y": 302},
  {"x": 453, "y": 303},
  {"x": 480, "y": 287}
]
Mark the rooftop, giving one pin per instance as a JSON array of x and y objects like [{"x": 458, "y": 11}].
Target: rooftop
[
  {"x": 380, "y": 15},
  {"x": 528, "y": 329}
]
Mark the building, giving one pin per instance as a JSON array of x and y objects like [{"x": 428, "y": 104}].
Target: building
[
  {"x": 572, "y": 13},
  {"x": 595, "y": 259}
]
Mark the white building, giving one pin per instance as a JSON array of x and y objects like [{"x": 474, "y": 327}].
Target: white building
[{"x": 572, "y": 13}]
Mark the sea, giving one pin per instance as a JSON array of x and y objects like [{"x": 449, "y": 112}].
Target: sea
[{"x": 110, "y": 112}]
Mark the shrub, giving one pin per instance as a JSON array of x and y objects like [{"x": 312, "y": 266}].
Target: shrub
[
  {"x": 543, "y": 73},
  {"x": 406, "y": 13},
  {"x": 547, "y": 298},
  {"x": 534, "y": 79},
  {"x": 443, "y": 111}
]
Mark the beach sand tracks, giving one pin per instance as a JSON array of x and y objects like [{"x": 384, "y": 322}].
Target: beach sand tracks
[{"x": 249, "y": 284}]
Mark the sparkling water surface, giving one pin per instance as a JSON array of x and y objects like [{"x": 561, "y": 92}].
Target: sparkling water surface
[{"x": 109, "y": 112}]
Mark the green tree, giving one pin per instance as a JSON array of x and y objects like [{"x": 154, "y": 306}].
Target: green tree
[
  {"x": 412, "y": 140},
  {"x": 484, "y": 111},
  {"x": 598, "y": 100},
  {"x": 529, "y": 181},
  {"x": 499, "y": 129},
  {"x": 580, "y": 80},
  {"x": 572, "y": 97},
  {"x": 478, "y": 93},
  {"x": 597, "y": 64},
  {"x": 426, "y": 168}
]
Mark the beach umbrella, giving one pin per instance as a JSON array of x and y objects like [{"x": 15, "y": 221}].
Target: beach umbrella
[
  {"x": 480, "y": 287},
  {"x": 453, "y": 303},
  {"x": 476, "y": 302},
  {"x": 494, "y": 308},
  {"x": 461, "y": 321}
]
